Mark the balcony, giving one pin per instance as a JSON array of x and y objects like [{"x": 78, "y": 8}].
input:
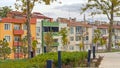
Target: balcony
[
  {"x": 17, "y": 44},
  {"x": 18, "y": 32},
  {"x": 18, "y": 55},
  {"x": 55, "y": 44}
]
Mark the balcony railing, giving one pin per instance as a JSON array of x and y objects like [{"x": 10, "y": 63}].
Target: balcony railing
[
  {"x": 17, "y": 43},
  {"x": 18, "y": 55},
  {"x": 18, "y": 32}
]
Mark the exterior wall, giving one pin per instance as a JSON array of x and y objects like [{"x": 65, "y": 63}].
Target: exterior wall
[
  {"x": 3, "y": 33},
  {"x": 10, "y": 33},
  {"x": 61, "y": 25},
  {"x": 39, "y": 38}
]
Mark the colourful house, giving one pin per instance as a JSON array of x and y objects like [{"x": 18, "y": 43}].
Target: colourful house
[{"x": 13, "y": 29}]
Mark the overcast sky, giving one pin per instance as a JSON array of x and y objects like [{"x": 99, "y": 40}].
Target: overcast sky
[{"x": 68, "y": 8}]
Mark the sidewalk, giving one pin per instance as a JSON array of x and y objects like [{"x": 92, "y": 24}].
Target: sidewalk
[{"x": 110, "y": 60}]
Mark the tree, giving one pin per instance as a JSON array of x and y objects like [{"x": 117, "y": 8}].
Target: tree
[
  {"x": 5, "y": 50},
  {"x": 102, "y": 41},
  {"x": 27, "y": 6},
  {"x": 97, "y": 36},
  {"x": 4, "y": 10},
  {"x": 81, "y": 45},
  {"x": 48, "y": 40},
  {"x": 108, "y": 7},
  {"x": 24, "y": 46},
  {"x": 64, "y": 32},
  {"x": 34, "y": 45}
]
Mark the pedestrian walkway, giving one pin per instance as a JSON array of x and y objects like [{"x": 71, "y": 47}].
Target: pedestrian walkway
[{"x": 110, "y": 60}]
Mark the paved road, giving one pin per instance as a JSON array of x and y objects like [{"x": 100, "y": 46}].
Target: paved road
[{"x": 110, "y": 60}]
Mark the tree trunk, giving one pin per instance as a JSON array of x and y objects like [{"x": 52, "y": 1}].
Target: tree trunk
[
  {"x": 34, "y": 52},
  {"x": 4, "y": 57},
  {"x": 110, "y": 38},
  {"x": 28, "y": 29},
  {"x": 110, "y": 29},
  {"x": 83, "y": 43},
  {"x": 24, "y": 56}
]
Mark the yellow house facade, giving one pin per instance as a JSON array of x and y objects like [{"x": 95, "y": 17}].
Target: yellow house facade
[{"x": 13, "y": 29}]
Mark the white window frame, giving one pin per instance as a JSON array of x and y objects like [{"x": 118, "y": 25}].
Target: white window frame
[
  {"x": 16, "y": 37},
  {"x": 7, "y": 39},
  {"x": 16, "y": 27},
  {"x": 8, "y": 27}
]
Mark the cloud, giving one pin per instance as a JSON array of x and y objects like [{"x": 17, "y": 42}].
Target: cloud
[
  {"x": 50, "y": 14},
  {"x": 70, "y": 8}
]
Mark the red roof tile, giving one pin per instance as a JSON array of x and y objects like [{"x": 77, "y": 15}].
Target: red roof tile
[{"x": 15, "y": 20}]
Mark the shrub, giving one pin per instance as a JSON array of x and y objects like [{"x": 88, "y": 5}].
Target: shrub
[{"x": 40, "y": 60}]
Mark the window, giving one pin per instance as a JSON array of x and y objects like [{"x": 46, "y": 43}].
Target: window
[
  {"x": 7, "y": 38},
  {"x": 16, "y": 27},
  {"x": 87, "y": 38},
  {"x": 71, "y": 47},
  {"x": 37, "y": 29},
  {"x": 16, "y": 38},
  {"x": 25, "y": 27},
  {"x": 103, "y": 31},
  {"x": 38, "y": 50},
  {"x": 71, "y": 30},
  {"x": 6, "y": 26},
  {"x": 71, "y": 38},
  {"x": 77, "y": 38},
  {"x": 79, "y": 30},
  {"x": 53, "y": 29},
  {"x": 55, "y": 40}
]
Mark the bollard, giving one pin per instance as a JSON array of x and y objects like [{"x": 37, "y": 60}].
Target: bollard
[
  {"x": 32, "y": 54},
  {"x": 44, "y": 49},
  {"x": 88, "y": 58},
  {"x": 49, "y": 63},
  {"x": 59, "y": 59},
  {"x": 94, "y": 52}
]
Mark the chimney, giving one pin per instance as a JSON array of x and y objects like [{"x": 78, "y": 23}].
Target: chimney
[{"x": 72, "y": 19}]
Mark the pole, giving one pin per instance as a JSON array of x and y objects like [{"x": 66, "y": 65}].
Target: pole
[
  {"x": 94, "y": 52},
  {"x": 59, "y": 59},
  {"x": 43, "y": 48},
  {"x": 49, "y": 63},
  {"x": 89, "y": 56}
]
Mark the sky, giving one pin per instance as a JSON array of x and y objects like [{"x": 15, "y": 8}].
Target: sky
[{"x": 67, "y": 8}]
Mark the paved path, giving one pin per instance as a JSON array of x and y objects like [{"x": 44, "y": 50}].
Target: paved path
[{"x": 110, "y": 60}]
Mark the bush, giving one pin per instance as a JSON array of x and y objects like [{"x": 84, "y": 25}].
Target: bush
[{"x": 40, "y": 60}]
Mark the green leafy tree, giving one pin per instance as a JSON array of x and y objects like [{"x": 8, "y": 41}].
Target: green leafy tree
[
  {"x": 4, "y": 10},
  {"x": 110, "y": 8},
  {"x": 34, "y": 45},
  {"x": 97, "y": 36},
  {"x": 81, "y": 45},
  {"x": 27, "y": 6},
  {"x": 24, "y": 46},
  {"x": 5, "y": 50},
  {"x": 64, "y": 32},
  {"x": 48, "y": 40},
  {"x": 103, "y": 41}
]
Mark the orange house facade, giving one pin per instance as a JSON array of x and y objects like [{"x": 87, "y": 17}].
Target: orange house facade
[{"x": 14, "y": 29}]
